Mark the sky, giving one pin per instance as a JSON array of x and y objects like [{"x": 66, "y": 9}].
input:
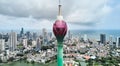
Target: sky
[{"x": 78, "y": 14}]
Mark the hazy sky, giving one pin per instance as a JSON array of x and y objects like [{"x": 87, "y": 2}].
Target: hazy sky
[{"x": 79, "y": 14}]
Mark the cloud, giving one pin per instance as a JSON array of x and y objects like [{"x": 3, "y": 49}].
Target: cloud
[
  {"x": 37, "y": 8},
  {"x": 88, "y": 12},
  {"x": 42, "y": 13},
  {"x": 8, "y": 22},
  {"x": 24, "y": 8}
]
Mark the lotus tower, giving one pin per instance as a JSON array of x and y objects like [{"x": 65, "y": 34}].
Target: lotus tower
[{"x": 60, "y": 30}]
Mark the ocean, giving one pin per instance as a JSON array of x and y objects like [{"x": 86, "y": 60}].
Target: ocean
[{"x": 95, "y": 34}]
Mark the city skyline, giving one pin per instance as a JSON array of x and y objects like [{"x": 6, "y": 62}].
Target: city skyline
[
  {"x": 78, "y": 14},
  {"x": 39, "y": 48},
  {"x": 59, "y": 33}
]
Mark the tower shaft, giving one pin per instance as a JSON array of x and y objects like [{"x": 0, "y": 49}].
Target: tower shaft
[{"x": 60, "y": 54}]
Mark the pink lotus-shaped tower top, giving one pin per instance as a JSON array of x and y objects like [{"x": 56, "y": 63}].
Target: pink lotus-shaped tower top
[
  {"x": 60, "y": 29},
  {"x": 60, "y": 26}
]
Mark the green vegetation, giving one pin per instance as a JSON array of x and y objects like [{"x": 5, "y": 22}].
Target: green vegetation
[
  {"x": 108, "y": 61},
  {"x": 20, "y": 46}
]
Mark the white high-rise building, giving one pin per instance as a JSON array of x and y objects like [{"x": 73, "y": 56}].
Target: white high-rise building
[
  {"x": 45, "y": 36},
  {"x": 24, "y": 42},
  {"x": 85, "y": 37},
  {"x": 69, "y": 34},
  {"x": 33, "y": 43},
  {"x": 111, "y": 42},
  {"x": 2, "y": 44},
  {"x": 118, "y": 42},
  {"x": 12, "y": 41},
  {"x": 111, "y": 38}
]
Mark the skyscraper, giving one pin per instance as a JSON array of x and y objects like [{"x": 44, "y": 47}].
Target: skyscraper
[
  {"x": 28, "y": 35},
  {"x": 111, "y": 38},
  {"x": 21, "y": 32},
  {"x": 0, "y": 36},
  {"x": 38, "y": 44},
  {"x": 12, "y": 41},
  {"x": 111, "y": 42},
  {"x": 34, "y": 43},
  {"x": 24, "y": 42},
  {"x": 45, "y": 36},
  {"x": 103, "y": 38},
  {"x": 49, "y": 35},
  {"x": 69, "y": 34},
  {"x": 118, "y": 42},
  {"x": 34, "y": 36},
  {"x": 2, "y": 44},
  {"x": 85, "y": 38}
]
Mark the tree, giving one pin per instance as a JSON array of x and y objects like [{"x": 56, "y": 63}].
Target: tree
[
  {"x": 79, "y": 64},
  {"x": 0, "y": 60},
  {"x": 11, "y": 59}
]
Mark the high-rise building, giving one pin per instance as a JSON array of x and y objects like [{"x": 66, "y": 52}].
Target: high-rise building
[
  {"x": 50, "y": 35},
  {"x": 34, "y": 43},
  {"x": 44, "y": 33},
  {"x": 28, "y": 35},
  {"x": 110, "y": 38},
  {"x": 69, "y": 34},
  {"x": 2, "y": 44},
  {"x": 38, "y": 44},
  {"x": 22, "y": 32},
  {"x": 45, "y": 37},
  {"x": 12, "y": 41},
  {"x": 103, "y": 38},
  {"x": 34, "y": 36},
  {"x": 111, "y": 42},
  {"x": 24, "y": 42},
  {"x": 85, "y": 37},
  {"x": 118, "y": 42},
  {"x": 0, "y": 36}
]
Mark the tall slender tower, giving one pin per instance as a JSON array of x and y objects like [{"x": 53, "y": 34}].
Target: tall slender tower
[{"x": 60, "y": 30}]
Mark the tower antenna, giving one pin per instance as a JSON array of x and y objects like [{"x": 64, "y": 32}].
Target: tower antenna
[
  {"x": 59, "y": 2},
  {"x": 59, "y": 17},
  {"x": 59, "y": 13}
]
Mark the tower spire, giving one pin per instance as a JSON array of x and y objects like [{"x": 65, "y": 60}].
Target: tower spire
[
  {"x": 59, "y": 13},
  {"x": 60, "y": 17},
  {"x": 59, "y": 2}
]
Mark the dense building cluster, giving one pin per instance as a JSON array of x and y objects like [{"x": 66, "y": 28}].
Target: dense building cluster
[{"x": 42, "y": 47}]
